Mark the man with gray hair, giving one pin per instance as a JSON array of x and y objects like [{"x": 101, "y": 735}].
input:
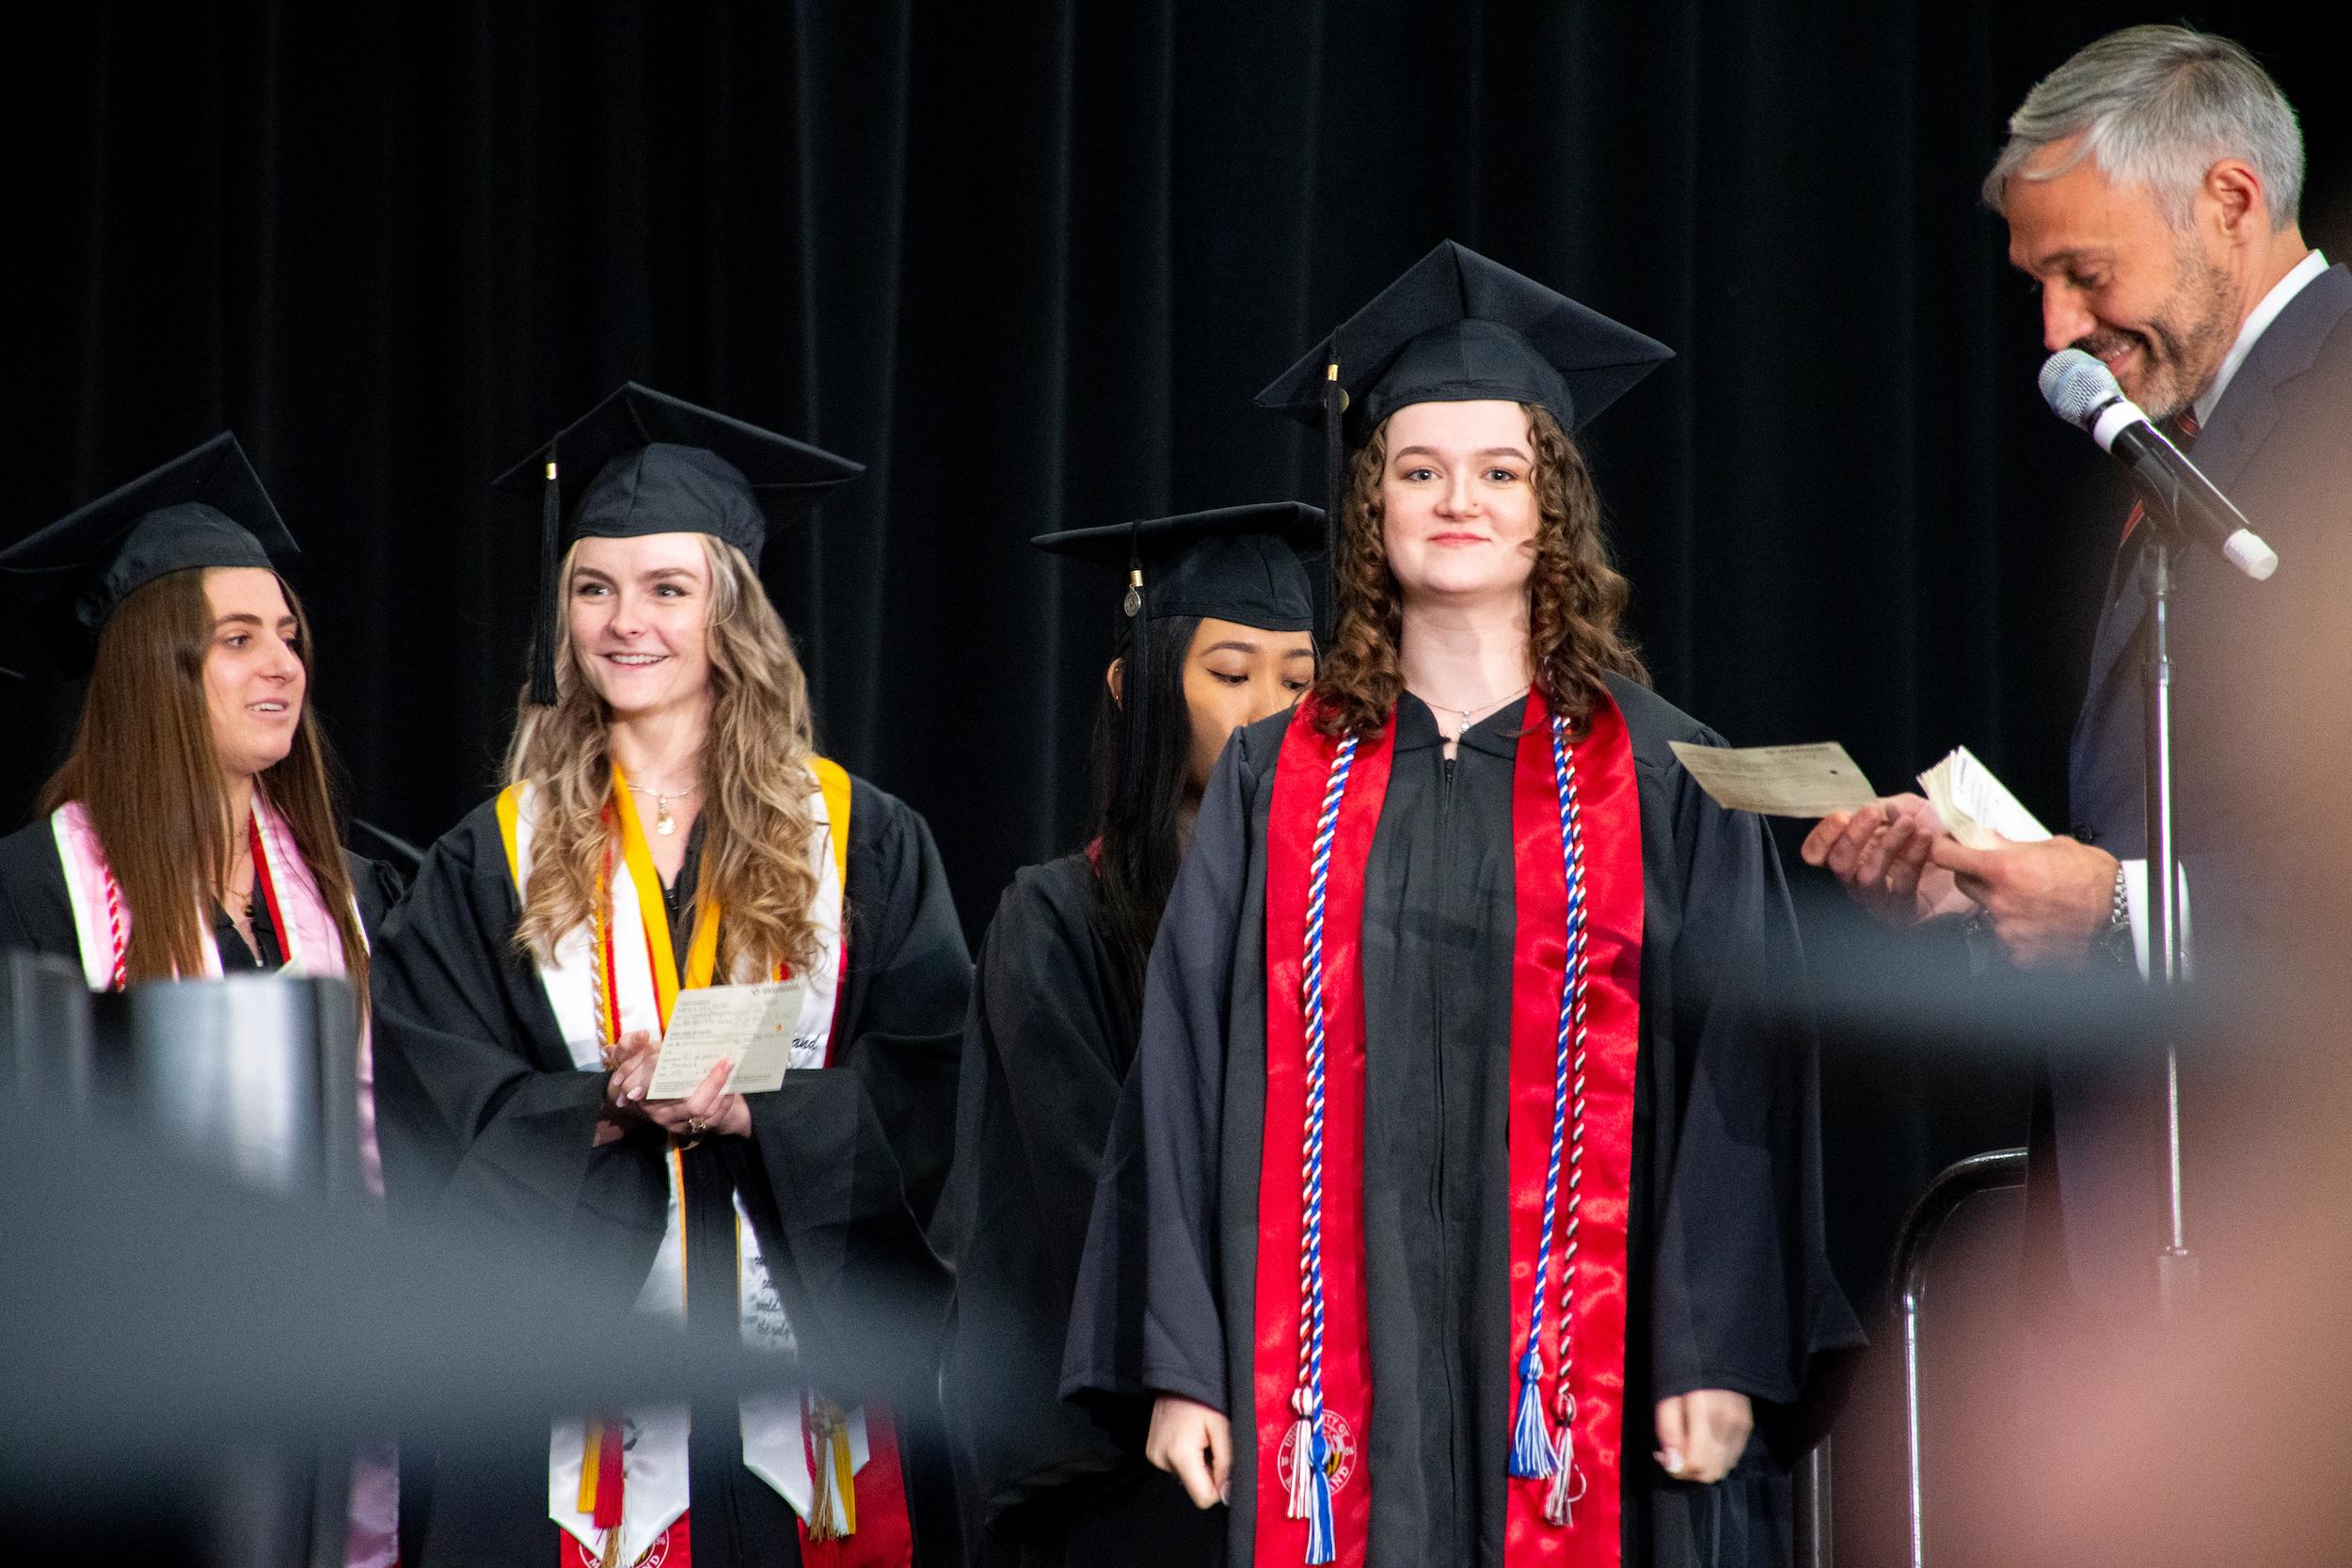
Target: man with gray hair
[{"x": 2150, "y": 186}]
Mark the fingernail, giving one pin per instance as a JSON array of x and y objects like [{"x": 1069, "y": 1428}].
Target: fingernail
[
  {"x": 1225, "y": 1494},
  {"x": 1671, "y": 1460}
]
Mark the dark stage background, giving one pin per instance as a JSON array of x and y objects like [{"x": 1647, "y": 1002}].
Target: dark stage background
[{"x": 1030, "y": 264}]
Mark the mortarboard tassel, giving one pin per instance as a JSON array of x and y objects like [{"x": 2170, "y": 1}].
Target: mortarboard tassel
[
  {"x": 1134, "y": 691},
  {"x": 551, "y": 528},
  {"x": 1334, "y": 462}
]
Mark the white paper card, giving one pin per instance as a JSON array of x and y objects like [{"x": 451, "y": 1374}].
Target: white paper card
[
  {"x": 749, "y": 1025},
  {"x": 1976, "y": 807},
  {"x": 1778, "y": 780}
]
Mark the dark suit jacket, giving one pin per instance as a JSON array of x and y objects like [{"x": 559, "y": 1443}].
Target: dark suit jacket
[{"x": 2262, "y": 708}]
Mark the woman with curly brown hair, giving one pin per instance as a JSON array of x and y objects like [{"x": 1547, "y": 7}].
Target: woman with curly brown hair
[
  {"x": 1474, "y": 1065},
  {"x": 668, "y": 825}
]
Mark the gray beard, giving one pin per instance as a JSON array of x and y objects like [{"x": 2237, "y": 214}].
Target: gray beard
[{"x": 2203, "y": 341}]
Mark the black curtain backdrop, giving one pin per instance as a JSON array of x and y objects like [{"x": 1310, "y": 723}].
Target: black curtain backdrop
[{"x": 1029, "y": 263}]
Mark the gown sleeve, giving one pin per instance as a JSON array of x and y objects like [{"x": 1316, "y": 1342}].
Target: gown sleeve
[
  {"x": 1046, "y": 1045},
  {"x": 1744, "y": 1296},
  {"x": 34, "y": 913},
  {"x": 851, "y": 1158},
  {"x": 479, "y": 1108},
  {"x": 1147, "y": 1319},
  {"x": 901, "y": 1030},
  {"x": 377, "y": 886}
]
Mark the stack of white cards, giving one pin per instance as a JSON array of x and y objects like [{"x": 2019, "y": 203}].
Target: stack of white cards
[{"x": 1976, "y": 807}]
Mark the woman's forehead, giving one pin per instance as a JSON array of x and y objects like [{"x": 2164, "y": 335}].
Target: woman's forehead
[
  {"x": 643, "y": 553},
  {"x": 1215, "y": 633},
  {"x": 245, "y": 591},
  {"x": 1469, "y": 424}
]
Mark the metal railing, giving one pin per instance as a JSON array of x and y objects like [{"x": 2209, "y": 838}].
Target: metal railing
[{"x": 1998, "y": 1170}]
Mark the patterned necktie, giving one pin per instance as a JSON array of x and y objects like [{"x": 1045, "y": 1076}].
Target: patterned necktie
[{"x": 2180, "y": 428}]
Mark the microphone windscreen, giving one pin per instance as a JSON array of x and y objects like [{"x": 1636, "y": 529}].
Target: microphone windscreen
[{"x": 2076, "y": 386}]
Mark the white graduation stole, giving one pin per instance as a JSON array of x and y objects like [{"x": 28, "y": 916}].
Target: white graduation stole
[{"x": 776, "y": 1445}]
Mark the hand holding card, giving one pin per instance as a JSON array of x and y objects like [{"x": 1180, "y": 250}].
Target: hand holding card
[
  {"x": 749, "y": 1025},
  {"x": 1778, "y": 780}
]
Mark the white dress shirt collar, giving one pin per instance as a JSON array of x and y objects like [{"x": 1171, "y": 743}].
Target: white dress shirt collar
[{"x": 2310, "y": 266}]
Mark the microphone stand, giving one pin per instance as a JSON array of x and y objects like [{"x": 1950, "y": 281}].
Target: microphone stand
[{"x": 2176, "y": 1266}]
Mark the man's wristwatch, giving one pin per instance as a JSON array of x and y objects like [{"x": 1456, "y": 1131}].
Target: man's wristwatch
[{"x": 2116, "y": 936}]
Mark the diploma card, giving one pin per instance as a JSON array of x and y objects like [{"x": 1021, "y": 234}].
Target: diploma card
[
  {"x": 1778, "y": 780},
  {"x": 1976, "y": 807},
  {"x": 749, "y": 1025}
]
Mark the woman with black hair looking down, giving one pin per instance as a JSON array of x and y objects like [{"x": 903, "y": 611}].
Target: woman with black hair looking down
[{"x": 1216, "y": 636}]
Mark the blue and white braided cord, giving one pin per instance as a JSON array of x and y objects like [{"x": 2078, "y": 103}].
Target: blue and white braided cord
[
  {"x": 1533, "y": 1455},
  {"x": 1568, "y": 1481},
  {"x": 1311, "y": 1482}
]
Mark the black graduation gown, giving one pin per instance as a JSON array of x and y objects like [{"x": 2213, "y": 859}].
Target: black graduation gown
[
  {"x": 1048, "y": 1041},
  {"x": 484, "y": 1116},
  {"x": 36, "y": 916},
  {"x": 1730, "y": 1283}
]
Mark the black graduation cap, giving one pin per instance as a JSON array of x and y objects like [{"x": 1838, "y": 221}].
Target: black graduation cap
[
  {"x": 1460, "y": 329},
  {"x": 643, "y": 461},
  {"x": 206, "y": 508},
  {"x": 1237, "y": 563}
]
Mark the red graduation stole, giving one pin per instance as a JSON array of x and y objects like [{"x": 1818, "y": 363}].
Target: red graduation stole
[{"x": 1574, "y": 1012}]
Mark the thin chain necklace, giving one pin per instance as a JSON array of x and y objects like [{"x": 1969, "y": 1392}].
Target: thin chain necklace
[
  {"x": 235, "y": 901},
  {"x": 664, "y": 822},
  {"x": 1488, "y": 705}
]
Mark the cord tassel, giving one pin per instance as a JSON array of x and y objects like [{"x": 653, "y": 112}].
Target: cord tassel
[
  {"x": 1302, "y": 1500},
  {"x": 1311, "y": 1489},
  {"x": 1531, "y": 1437},
  {"x": 1561, "y": 1496}
]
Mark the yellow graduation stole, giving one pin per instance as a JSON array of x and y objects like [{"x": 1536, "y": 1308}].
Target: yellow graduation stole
[{"x": 600, "y": 1490}]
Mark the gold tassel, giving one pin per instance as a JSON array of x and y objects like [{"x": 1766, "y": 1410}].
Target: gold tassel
[
  {"x": 834, "y": 1475},
  {"x": 845, "y": 1475}
]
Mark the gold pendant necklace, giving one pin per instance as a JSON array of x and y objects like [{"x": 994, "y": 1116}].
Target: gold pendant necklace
[{"x": 664, "y": 823}]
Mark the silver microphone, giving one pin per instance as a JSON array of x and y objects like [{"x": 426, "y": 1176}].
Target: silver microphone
[{"x": 2084, "y": 392}]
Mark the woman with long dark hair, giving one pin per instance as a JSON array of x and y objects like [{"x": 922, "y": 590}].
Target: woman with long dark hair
[
  {"x": 1474, "y": 1104},
  {"x": 1217, "y": 635},
  {"x": 193, "y": 829},
  {"x": 196, "y": 773},
  {"x": 668, "y": 825}
]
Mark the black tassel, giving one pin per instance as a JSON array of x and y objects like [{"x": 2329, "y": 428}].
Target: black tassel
[
  {"x": 543, "y": 647},
  {"x": 1136, "y": 686},
  {"x": 1334, "y": 463}
]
